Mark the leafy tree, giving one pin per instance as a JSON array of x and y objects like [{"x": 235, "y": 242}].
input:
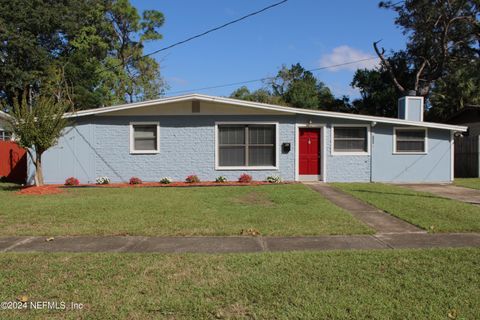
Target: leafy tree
[
  {"x": 459, "y": 88},
  {"x": 128, "y": 74},
  {"x": 260, "y": 95},
  {"x": 37, "y": 126},
  {"x": 438, "y": 32},
  {"x": 96, "y": 44},
  {"x": 295, "y": 87}
]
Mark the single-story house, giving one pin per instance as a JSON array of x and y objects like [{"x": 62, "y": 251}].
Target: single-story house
[{"x": 212, "y": 136}]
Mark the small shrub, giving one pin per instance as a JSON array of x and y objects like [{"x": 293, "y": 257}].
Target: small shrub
[
  {"x": 102, "y": 180},
  {"x": 273, "y": 179},
  {"x": 135, "y": 180},
  {"x": 245, "y": 178},
  {"x": 192, "y": 179},
  {"x": 166, "y": 180},
  {"x": 221, "y": 179},
  {"x": 72, "y": 181}
]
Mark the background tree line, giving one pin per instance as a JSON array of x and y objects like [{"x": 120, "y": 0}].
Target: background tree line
[{"x": 441, "y": 62}]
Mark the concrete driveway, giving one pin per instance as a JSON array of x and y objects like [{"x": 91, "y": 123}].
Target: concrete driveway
[{"x": 448, "y": 191}]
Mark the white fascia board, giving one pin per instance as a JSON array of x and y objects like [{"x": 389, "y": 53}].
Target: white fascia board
[{"x": 257, "y": 105}]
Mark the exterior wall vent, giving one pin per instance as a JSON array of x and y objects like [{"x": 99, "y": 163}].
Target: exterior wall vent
[{"x": 195, "y": 106}]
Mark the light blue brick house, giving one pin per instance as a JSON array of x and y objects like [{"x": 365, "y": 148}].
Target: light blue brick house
[{"x": 212, "y": 136}]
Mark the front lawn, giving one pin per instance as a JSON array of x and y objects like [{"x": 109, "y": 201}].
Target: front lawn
[
  {"x": 473, "y": 183},
  {"x": 423, "y": 209},
  {"x": 272, "y": 209},
  {"x": 400, "y": 284}
]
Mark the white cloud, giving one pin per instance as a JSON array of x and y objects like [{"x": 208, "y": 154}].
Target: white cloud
[{"x": 346, "y": 54}]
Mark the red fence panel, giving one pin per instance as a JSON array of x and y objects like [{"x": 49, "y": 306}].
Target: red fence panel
[{"x": 13, "y": 162}]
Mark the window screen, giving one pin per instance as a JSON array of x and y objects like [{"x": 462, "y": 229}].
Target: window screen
[
  {"x": 246, "y": 145},
  {"x": 350, "y": 139},
  {"x": 145, "y": 137},
  {"x": 408, "y": 140}
]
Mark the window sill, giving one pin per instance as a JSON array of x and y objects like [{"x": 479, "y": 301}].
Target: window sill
[
  {"x": 144, "y": 152},
  {"x": 410, "y": 153},
  {"x": 245, "y": 168},
  {"x": 350, "y": 153}
]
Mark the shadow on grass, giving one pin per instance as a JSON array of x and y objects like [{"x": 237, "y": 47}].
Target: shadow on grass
[
  {"x": 398, "y": 194},
  {"x": 5, "y": 186}
]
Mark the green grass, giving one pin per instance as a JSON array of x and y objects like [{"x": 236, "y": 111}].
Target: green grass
[
  {"x": 273, "y": 210},
  {"x": 420, "y": 208},
  {"x": 400, "y": 284},
  {"x": 473, "y": 183}
]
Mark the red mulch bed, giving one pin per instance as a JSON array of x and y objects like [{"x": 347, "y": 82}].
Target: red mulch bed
[
  {"x": 57, "y": 188},
  {"x": 49, "y": 189}
]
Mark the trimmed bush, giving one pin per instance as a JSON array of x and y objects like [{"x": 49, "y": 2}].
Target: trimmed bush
[
  {"x": 273, "y": 179},
  {"x": 192, "y": 179},
  {"x": 166, "y": 180},
  {"x": 135, "y": 180},
  {"x": 102, "y": 180},
  {"x": 245, "y": 178},
  {"x": 221, "y": 179},
  {"x": 72, "y": 181}
]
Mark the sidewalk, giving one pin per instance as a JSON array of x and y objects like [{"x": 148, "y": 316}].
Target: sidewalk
[{"x": 235, "y": 244}]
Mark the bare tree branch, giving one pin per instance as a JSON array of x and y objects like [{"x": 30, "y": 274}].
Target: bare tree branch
[{"x": 388, "y": 66}]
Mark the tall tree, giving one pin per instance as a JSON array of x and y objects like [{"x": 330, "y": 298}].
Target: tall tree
[
  {"x": 128, "y": 74},
  {"x": 94, "y": 46},
  {"x": 438, "y": 32}
]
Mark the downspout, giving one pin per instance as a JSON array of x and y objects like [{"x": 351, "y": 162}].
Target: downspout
[{"x": 372, "y": 140}]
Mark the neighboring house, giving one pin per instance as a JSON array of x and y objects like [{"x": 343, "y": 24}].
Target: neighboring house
[
  {"x": 212, "y": 136},
  {"x": 5, "y": 132},
  {"x": 467, "y": 156}
]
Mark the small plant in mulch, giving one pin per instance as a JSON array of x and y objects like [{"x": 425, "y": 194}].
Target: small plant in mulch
[
  {"x": 245, "y": 178},
  {"x": 102, "y": 180},
  {"x": 221, "y": 179},
  {"x": 166, "y": 180},
  {"x": 192, "y": 179},
  {"x": 273, "y": 179},
  {"x": 250, "y": 232},
  {"x": 72, "y": 181},
  {"x": 135, "y": 180}
]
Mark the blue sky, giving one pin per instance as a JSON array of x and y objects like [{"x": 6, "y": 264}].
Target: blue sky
[{"x": 313, "y": 32}]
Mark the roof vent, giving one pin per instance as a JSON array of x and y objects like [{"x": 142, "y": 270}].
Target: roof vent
[{"x": 195, "y": 106}]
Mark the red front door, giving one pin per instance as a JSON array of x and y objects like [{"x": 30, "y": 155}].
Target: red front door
[{"x": 309, "y": 151}]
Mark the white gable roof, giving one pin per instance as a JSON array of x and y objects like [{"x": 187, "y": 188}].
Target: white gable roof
[{"x": 264, "y": 106}]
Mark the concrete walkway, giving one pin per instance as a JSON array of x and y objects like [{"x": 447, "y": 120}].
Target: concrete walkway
[
  {"x": 380, "y": 221},
  {"x": 235, "y": 244},
  {"x": 448, "y": 191}
]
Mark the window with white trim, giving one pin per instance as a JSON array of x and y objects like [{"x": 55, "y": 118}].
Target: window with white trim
[
  {"x": 350, "y": 139},
  {"x": 410, "y": 140},
  {"x": 144, "y": 137},
  {"x": 5, "y": 135},
  {"x": 252, "y": 145}
]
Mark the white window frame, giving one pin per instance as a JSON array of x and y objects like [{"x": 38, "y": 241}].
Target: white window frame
[
  {"x": 257, "y": 168},
  {"x": 132, "y": 140},
  {"x": 349, "y": 153},
  {"x": 409, "y": 152}
]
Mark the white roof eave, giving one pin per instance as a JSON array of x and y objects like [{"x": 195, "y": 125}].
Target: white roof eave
[{"x": 257, "y": 105}]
